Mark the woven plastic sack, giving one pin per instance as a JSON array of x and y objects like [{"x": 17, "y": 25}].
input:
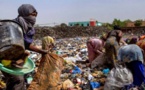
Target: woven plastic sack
[
  {"x": 118, "y": 77},
  {"x": 48, "y": 74}
]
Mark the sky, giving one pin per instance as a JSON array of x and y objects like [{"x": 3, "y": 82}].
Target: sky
[{"x": 64, "y": 11}]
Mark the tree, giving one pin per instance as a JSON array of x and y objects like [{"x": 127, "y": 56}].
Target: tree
[
  {"x": 119, "y": 22},
  {"x": 138, "y": 23},
  {"x": 127, "y": 20},
  {"x": 108, "y": 25},
  {"x": 115, "y": 22}
]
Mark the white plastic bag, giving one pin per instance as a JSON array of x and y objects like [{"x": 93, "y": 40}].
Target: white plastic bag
[{"x": 118, "y": 77}]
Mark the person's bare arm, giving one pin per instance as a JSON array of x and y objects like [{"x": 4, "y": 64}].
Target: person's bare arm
[
  {"x": 99, "y": 51},
  {"x": 38, "y": 50}
]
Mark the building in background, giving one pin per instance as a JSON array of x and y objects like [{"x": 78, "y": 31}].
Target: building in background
[
  {"x": 85, "y": 23},
  {"x": 99, "y": 24},
  {"x": 143, "y": 23},
  {"x": 132, "y": 24}
]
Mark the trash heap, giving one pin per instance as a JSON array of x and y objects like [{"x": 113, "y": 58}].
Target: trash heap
[
  {"x": 80, "y": 77},
  {"x": 77, "y": 75},
  {"x": 69, "y": 32},
  {"x": 74, "y": 31}
]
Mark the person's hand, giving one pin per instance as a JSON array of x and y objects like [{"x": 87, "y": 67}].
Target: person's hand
[{"x": 99, "y": 51}]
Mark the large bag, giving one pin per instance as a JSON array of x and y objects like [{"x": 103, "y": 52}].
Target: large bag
[
  {"x": 118, "y": 78},
  {"x": 48, "y": 74},
  {"x": 99, "y": 61}
]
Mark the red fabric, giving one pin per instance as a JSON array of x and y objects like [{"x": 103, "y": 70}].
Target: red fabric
[
  {"x": 142, "y": 37},
  {"x": 141, "y": 44}
]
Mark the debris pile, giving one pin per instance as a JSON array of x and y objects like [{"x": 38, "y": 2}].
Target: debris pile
[
  {"x": 76, "y": 71},
  {"x": 69, "y": 32}
]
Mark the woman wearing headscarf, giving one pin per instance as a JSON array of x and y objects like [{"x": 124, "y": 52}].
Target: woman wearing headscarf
[
  {"x": 132, "y": 39},
  {"x": 26, "y": 18},
  {"x": 112, "y": 45},
  {"x": 95, "y": 47},
  {"x": 132, "y": 55},
  {"x": 141, "y": 42},
  {"x": 142, "y": 37}
]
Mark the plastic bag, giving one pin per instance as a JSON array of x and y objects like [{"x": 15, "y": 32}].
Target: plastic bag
[
  {"x": 94, "y": 85},
  {"x": 118, "y": 77},
  {"x": 76, "y": 70}
]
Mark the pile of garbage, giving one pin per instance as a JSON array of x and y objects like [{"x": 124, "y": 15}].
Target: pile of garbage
[
  {"x": 69, "y": 32},
  {"x": 77, "y": 75},
  {"x": 80, "y": 77}
]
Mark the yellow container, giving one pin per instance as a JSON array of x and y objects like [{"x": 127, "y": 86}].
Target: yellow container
[{"x": 6, "y": 63}]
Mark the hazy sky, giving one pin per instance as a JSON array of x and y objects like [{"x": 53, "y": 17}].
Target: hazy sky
[{"x": 64, "y": 11}]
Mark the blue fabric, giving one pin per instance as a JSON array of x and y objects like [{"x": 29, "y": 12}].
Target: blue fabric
[
  {"x": 128, "y": 87},
  {"x": 28, "y": 37},
  {"x": 76, "y": 70},
  {"x": 138, "y": 71},
  {"x": 130, "y": 53},
  {"x": 94, "y": 85}
]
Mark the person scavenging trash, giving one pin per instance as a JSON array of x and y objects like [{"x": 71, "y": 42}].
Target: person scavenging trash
[
  {"x": 133, "y": 56},
  {"x": 114, "y": 38},
  {"x": 95, "y": 47},
  {"x": 26, "y": 18}
]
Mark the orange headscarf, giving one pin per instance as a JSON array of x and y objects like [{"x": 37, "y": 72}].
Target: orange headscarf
[{"x": 142, "y": 37}]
